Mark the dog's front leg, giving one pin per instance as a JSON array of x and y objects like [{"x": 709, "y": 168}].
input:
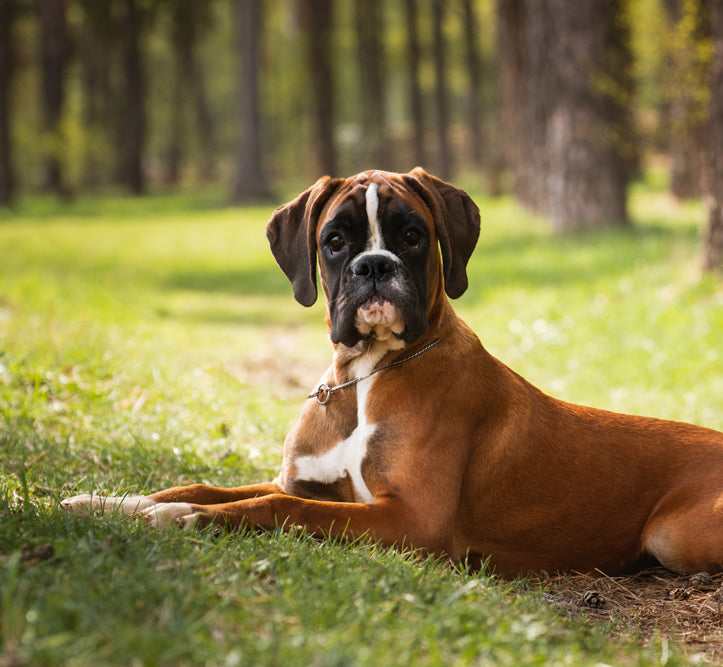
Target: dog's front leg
[
  {"x": 385, "y": 521},
  {"x": 199, "y": 494},
  {"x": 88, "y": 502}
]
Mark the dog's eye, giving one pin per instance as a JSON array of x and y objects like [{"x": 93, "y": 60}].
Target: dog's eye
[
  {"x": 411, "y": 238},
  {"x": 336, "y": 243}
]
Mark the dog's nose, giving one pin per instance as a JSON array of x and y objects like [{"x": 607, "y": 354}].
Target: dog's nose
[{"x": 374, "y": 267}]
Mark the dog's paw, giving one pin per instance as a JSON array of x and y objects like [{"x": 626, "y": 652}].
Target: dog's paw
[
  {"x": 81, "y": 504},
  {"x": 164, "y": 514},
  {"x": 87, "y": 503}
]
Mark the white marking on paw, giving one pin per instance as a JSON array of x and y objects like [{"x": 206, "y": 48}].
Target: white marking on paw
[
  {"x": 86, "y": 503},
  {"x": 163, "y": 514},
  {"x": 189, "y": 521}
]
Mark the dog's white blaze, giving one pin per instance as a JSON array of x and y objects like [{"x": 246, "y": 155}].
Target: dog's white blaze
[
  {"x": 344, "y": 458},
  {"x": 372, "y": 199}
]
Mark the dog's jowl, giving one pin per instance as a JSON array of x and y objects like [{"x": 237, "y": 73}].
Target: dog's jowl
[{"x": 418, "y": 438}]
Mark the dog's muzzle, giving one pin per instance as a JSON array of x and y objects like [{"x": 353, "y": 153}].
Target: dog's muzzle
[
  {"x": 376, "y": 277},
  {"x": 375, "y": 267}
]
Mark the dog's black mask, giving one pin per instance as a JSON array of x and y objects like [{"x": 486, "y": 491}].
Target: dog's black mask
[
  {"x": 374, "y": 263},
  {"x": 375, "y": 234}
]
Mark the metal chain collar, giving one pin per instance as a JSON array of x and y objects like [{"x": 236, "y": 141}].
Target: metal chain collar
[{"x": 324, "y": 391}]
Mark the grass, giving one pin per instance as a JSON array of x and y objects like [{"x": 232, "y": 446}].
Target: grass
[{"x": 153, "y": 342}]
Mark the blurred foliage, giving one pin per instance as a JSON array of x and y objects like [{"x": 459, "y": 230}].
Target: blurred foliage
[
  {"x": 691, "y": 50},
  {"x": 670, "y": 43}
]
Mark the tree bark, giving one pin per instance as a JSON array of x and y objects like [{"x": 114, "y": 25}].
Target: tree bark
[
  {"x": 713, "y": 250},
  {"x": 474, "y": 74},
  {"x": 189, "y": 19},
  {"x": 176, "y": 133},
  {"x": 205, "y": 120},
  {"x": 134, "y": 124},
  {"x": 369, "y": 23},
  {"x": 53, "y": 53},
  {"x": 416, "y": 108},
  {"x": 687, "y": 77},
  {"x": 574, "y": 143},
  {"x": 588, "y": 178},
  {"x": 539, "y": 95},
  {"x": 250, "y": 182},
  {"x": 89, "y": 53},
  {"x": 511, "y": 94},
  {"x": 444, "y": 152},
  {"x": 99, "y": 36},
  {"x": 316, "y": 19},
  {"x": 7, "y": 174}
]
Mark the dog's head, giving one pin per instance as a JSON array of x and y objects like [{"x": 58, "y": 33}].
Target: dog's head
[{"x": 377, "y": 236}]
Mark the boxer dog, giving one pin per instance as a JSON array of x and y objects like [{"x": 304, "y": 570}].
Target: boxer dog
[{"x": 416, "y": 437}]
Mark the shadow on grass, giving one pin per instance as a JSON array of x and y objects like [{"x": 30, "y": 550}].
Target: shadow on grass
[
  {"x": 256, "y": 282},
  {"x": 546, "y": 260},
  {"x": 180, "y": 203},
  {"x": 261, "y": 316},
  {"x": 252, "y": 281},
  {"x": 526, "y": 261}
]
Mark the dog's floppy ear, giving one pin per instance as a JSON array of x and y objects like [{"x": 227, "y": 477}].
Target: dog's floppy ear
[
  {"x": 457, "y": 224},
  {"x": 292, "y": 236}
]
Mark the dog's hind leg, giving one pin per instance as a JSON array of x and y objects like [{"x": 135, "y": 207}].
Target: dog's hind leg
[{"x": 687, "y": 537}]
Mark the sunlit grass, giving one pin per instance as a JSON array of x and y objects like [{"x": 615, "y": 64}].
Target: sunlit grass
[{"x": 154, "y": 342}]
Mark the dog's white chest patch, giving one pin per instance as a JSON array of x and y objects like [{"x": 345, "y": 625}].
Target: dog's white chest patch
[{"x": 344, "y": 458}]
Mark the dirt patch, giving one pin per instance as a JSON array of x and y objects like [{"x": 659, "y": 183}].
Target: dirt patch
[
  {"x": 277, "y": 365},
  {"x": 284, "y": 379},
  {"x": 688, "y": 610}
]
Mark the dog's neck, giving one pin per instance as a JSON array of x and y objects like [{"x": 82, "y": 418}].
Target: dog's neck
[
  {"x": 370, "y": 353},
  {"x": 364, "y": 357}
]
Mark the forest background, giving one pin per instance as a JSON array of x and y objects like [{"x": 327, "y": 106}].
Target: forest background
[{"x": 562, "y": 103}]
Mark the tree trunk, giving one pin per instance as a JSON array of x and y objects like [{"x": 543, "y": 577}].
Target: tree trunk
[
  {"x": 88, "y": 54},
  {"x": 444, "y": 151},
  {"x": 316, "y": 19},
  {"x": 539, "y": 94},
  {"x": 7, "y": 175},
  {"x": 688, "y": 110},
  {"x": 474, "y": 110},
  {"x": 190, "y": 18},
  {"x": 176, "y": 134},
  {"x": 587, "y": 178},
  {"x": 134, "y": 124},
  {"x": 511, "y": 94},
  {"x": 204, "y": 119},
  {"x": 250, "y": 183},
  {"x": 368, "y": 19},
  {"x": 99, "y": 36},
  {"x": 54, "y": 51},
  {"x": 713, "y": 252},
  {"x": 415, "y": 91},
  {"x": 576, "y": 156}
]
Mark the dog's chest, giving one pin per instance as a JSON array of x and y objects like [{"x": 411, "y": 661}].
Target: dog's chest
[{"x": 342, "y": 464}]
